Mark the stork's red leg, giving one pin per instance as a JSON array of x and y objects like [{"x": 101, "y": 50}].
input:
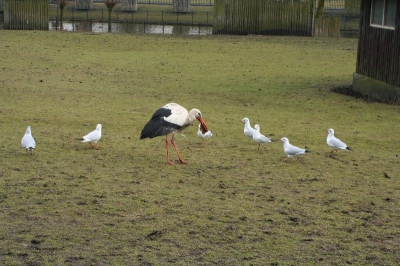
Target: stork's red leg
[
  {"x": 166, "y": 146},
  {"x": 176, "y": 149}
]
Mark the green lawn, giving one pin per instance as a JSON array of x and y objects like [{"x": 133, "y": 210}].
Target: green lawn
[{"x": 69, "y": 204}]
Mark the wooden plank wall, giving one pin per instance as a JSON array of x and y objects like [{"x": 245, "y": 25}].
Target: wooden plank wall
[
  {"x": 327, "y": 27},
  {"x": 378, "y": 49},
  {"x": 244, "y": 17},
  {"x": 26, "y": 14}
]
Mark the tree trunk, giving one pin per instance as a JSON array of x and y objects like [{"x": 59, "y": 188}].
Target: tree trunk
[
  {"x": 320, "y": 9},
  {"x": 61, "y": 18},
  {"x": 109, "y": 19}
]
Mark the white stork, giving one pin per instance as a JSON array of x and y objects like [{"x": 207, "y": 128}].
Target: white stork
[
  {"x": 260, "y": 138},
  {"x": 248, "y": 130},
  {"x": 202, "y": 135},
  {"x": 93, "y": 137},
  {"x": 335, "y": 143},
  {"x": 171, "y": 118},
  {"x": 291, "y": 150},
  {"x": 27, "y": 141}
]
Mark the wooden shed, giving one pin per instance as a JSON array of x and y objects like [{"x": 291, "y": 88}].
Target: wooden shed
[{"x": 378, "y": 59}]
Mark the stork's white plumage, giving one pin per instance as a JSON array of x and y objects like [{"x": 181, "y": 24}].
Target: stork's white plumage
[
  {"x": 202, "y": 135},
  {"x": 248, "y": 130},
  {"x": 335, "y": 143},
  {"x": 291, "y": 150},
  {"x": 93, "y": 137},
  {"x": 170, "y": 119},
  {"x": 27, "y": 141},
  {"x": 260, "y": 138}
]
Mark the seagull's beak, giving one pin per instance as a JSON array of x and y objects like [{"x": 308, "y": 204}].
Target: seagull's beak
[{"x": 203, "y": 126}]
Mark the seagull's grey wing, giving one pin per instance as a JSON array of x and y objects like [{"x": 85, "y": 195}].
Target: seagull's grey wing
[
  {"x": 293, "y": 150},
  {"x": 28, "y": 141},
  {"x": 208, "y": 134},
  {"x": 249, "y": 132},
  {"x": 92, "y": 136},
  {"x": 265, "y": 139},
  {"x": 336, "y": 143}
]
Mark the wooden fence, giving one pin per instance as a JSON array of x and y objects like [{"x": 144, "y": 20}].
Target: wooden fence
[
  {"x": 166, "y": 2},
  {"x": 263, "y": 17},
  {"x": 26, "y": 14},
  {"x": 327, "y": 27}
]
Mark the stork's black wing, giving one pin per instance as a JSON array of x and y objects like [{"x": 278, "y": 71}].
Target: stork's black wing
[{"x": 158, "y": 126}]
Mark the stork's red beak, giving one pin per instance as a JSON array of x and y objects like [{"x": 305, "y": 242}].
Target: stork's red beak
[{"x": 203, "y": 127}]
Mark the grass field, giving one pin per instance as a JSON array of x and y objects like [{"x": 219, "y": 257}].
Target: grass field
[{"x": 230, "y": 205}]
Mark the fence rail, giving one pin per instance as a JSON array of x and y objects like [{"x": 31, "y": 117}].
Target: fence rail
[
  {"x": 202, "y": 18},
  {"x": 166, "y": 2},
  {"x": 287, "y": 21}
]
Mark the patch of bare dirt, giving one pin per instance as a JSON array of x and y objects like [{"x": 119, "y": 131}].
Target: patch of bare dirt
[{"x": 348, "y": 91}]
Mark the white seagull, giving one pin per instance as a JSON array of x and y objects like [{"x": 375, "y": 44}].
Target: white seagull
[
  {"x": 291, "y": 150},
  {"x": 28, "y": 142},
  {"x": 205, "y": 136},
  {"x": 260, "y": 138},
  {"x": 335, "y": 143},
  {"x": 248, "y": 130},
  {"x": 93, "y": 137},
  {"x": 171, "y": 118}
]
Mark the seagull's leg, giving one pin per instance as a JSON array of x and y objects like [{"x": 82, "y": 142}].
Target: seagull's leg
[
  {"x": 176, "y": 149},
  {"x": 166, "y": 146},
  {"x": 97, "y": 146}
]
